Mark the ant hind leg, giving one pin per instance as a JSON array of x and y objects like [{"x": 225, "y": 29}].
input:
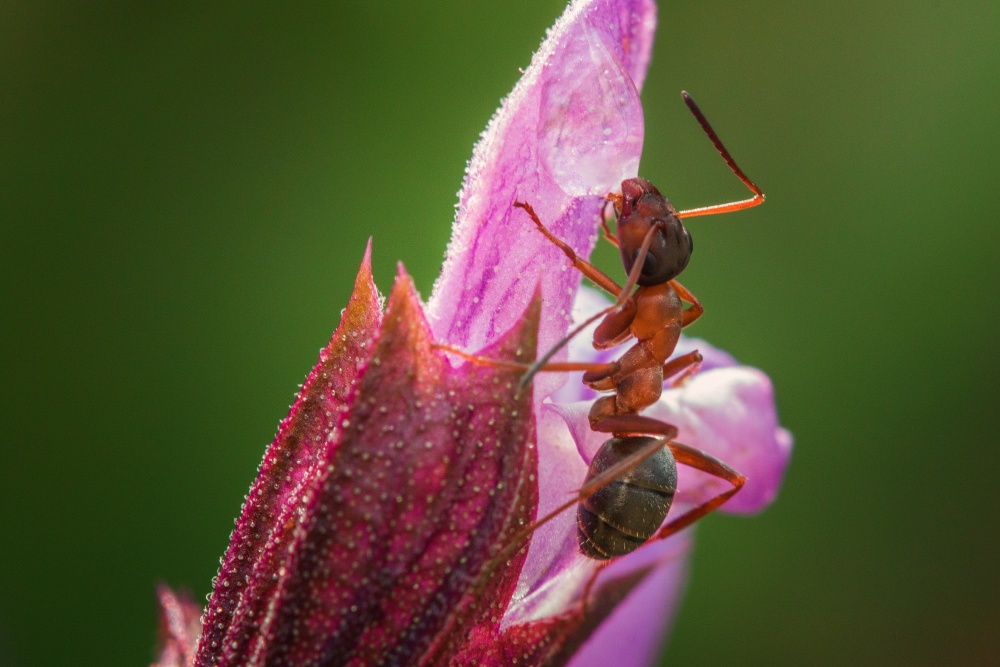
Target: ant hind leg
[
  {"x": 699, "y": 460},
  {"x": 689, "y": 456}
]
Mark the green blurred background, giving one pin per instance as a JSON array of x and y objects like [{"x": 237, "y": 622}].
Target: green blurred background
[{"x": 185, "y": 194}]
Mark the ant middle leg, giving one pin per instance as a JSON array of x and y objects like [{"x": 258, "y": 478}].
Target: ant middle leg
[
  {"x": 686, "y": 365},
  {"x": 696, "y": 309},
  {"x": 598, "y": 277},
  {"x": 552, "y": 367}
]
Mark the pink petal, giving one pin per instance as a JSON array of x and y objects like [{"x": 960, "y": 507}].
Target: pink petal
[
  {"x": 636, "y": 629},
  {"x": 569, "y": 132},
  {"x": 628, "y": 612},
  {"x": 180, "y": 627}
]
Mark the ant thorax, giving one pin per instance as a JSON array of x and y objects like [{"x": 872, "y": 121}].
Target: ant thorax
[{"x": 658, "y": 311}]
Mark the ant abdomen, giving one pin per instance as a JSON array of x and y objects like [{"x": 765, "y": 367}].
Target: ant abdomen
[{"x": 620, "y": 516}]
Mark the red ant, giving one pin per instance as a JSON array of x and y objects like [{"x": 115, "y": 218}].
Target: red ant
[{"x": 632, "y": 479}]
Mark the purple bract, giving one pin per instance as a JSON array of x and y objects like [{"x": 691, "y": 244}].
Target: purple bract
[{"x": 390, "y": 522}]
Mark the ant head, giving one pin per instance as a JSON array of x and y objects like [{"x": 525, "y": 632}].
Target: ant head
[{"x": 642, "y": 207}]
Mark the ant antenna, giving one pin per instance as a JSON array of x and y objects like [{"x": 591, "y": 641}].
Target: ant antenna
[
  {"x": 758, "y": 197},
  {"x": 544, "y": 359}
]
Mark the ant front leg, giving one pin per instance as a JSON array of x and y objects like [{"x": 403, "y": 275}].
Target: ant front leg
[
  {"x": 696, "y": 309},
  {"x": 596, "y": 276},
  {"x": 616, "y": 327},
  {"x": 608, "y": 234},
  {"x": 699, "y": 460}
]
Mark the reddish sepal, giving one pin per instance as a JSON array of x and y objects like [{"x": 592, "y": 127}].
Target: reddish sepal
[
  {"x": 291, "y": 462},
  {"x": 392, "y": 556}
]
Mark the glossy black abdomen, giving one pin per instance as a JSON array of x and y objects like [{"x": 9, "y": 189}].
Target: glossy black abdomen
[{"x": 623, "y": 514}]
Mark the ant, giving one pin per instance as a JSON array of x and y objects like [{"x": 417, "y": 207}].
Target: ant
[{"x": 632, "y": 479}]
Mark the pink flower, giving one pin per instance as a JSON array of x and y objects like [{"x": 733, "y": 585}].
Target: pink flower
[{"x": 387, "y": 524}]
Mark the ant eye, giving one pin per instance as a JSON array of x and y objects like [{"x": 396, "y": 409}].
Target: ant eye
[
  {"x": 689, "y": 240},
  {"x": 650, "y": 265}
]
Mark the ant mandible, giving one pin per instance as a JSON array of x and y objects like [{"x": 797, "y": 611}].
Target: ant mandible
[{"x": 633, "y": 477}]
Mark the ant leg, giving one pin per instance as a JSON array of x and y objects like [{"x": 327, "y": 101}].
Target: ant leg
[
  {"x": 689, "y": 363},
  {"x": 696, "y": 309},
  {"x": 699, "y": 460},
  {"x": 595, "y": 484},
  {"x": 617, "y": 313},
  {"x": 616, "y": 199},
  {"x": 616, "y": 328},
  {"x": 758, "y": 196},
  {"x": 621, "y": 303},
  {"x": 597, "y": 276},
  {"x": 624, "y": 295},
  {"x": 608, "y": 234},
  {"x": 555, "y": 367},
  {"x": 689, "y": 456}
]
